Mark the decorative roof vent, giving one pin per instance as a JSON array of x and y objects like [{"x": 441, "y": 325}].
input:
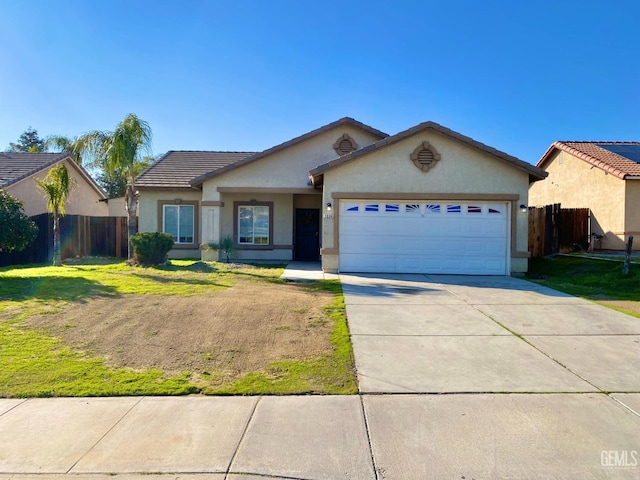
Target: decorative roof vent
[
  {"x": 345, "y": 144},
  {"x": 425, "y": 156}
]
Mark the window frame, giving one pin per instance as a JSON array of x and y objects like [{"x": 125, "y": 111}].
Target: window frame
[
  {"x": 180, "y": 203},
  {"x": 236, "y": 225}
]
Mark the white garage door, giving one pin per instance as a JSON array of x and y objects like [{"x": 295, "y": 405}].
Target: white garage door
[{"x": 423, "y": 237}]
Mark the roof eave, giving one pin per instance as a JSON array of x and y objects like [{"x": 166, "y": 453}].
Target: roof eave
[
  {"x": 596, "y": 162},
  {"x": 289, "y": 143},
  {"x": 534, "y": 172}
]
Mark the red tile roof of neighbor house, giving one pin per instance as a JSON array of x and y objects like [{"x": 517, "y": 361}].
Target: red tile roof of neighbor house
[
  {"x": 178, "y": 168},
  {"x": 593, "y": 153},
  {"x": 16, "y": 166}
]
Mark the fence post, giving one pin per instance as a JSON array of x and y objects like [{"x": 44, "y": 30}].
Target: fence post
[{"x": 627, "y": 259}]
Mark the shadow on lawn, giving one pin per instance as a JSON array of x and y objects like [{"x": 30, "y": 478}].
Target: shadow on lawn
[
  {"x": 51, "y": 288},
  {"x": 174, "y": 280}
]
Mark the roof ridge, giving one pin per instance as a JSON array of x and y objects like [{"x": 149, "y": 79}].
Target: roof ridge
[
  {"x": 596, "y": 142},
  {"x": 210, "y": 151}
]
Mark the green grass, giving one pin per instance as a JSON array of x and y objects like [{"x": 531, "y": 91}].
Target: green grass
[
  {"x": 35, "y": 364},
  {"x": 332, "y": 373},
  {"x": 588, "y": 278}
]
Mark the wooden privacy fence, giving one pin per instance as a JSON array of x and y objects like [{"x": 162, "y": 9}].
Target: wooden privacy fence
[
  {"x": 80, "y": 236},
  {"x": 553, "y": 229}
]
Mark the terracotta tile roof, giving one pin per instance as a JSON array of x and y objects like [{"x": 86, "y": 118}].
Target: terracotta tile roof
[
  {"x": 535, "y": 173},
  {"x": 178, "y": 168},
  {"x": 289, "y": 143},
  {"x": 15, "y": 166},
  {"x": 591, "y": 152}
]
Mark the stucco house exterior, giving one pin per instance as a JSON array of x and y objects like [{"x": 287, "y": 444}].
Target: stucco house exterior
[
  {"x": 602, "y": 176},
  {"x": 426, "y": 200},
  {"x": 18, "y": 171}
]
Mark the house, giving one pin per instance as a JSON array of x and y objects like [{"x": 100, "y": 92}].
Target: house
[
  {"x": 18, "y": 171},
  {"x": 603, "y": 176},
  {"x": 426, "y": 199}
]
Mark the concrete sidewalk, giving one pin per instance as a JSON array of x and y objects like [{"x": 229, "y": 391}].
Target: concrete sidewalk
[{"x": 323, "y": 437}]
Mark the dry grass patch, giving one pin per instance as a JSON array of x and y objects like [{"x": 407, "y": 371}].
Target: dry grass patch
[{"x": 224, "y": 334}]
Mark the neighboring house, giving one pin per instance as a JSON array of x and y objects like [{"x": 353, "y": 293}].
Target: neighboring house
[
  {"x": 603, "y": 176},
  {"x": 117, "y": 207},
  {"x": 18, "y": 171},
  {"x": 424, "y": 200}
]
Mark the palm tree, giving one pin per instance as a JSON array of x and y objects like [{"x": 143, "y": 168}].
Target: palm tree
[
  {"x": 57, "y": 187},
  {"x": 60, "y": 143},
  {"x": 120, "y": 151}
]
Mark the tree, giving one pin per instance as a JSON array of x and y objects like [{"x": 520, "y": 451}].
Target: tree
[
  {"x": 57, "y": 187},
  {"x": 29, "y": 141},
  {"x": 17, "y": 230},
  {"x": 121, "y": 151},
  {"x": 115, "y": 182},
  {"x": 60, "y": 143}
]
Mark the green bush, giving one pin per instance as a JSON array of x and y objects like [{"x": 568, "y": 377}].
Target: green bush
[{"x": 151, "y": 248}]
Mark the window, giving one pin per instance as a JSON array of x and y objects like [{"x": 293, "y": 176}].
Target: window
[
  {"x": 254, "y": 224},
  {"x": 179, "y": 222}
]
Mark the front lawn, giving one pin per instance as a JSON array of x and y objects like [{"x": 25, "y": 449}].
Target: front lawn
[
  {"x": 189, "y": 327},
  {"x": 598, "y": 280}
]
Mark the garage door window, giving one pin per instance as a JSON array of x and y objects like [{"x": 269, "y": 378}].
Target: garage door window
[
  {"x": 412, "y": 208},
  {"x": 474, "y": 209},
  {"x": 431, "y": 208},
  {"x": 392, "y": 207}
]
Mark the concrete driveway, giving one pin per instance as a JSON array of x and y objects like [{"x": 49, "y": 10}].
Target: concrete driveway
[
  {"x": 531, "y": 383},
  {"x": 455, "y": 334}
]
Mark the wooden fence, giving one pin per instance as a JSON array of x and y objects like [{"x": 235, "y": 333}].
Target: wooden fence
[
  {"x": 553, "y": 229},
  {"x": 80, "y": 236}
]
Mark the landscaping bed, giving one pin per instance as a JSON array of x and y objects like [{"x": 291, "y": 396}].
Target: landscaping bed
[{"x": 190, "y": 327}]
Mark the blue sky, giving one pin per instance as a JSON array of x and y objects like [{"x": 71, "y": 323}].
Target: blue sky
[{"x": 247, "y": 75}]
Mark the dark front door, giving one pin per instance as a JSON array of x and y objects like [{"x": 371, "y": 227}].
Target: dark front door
[{"x": 307, "y": 239}]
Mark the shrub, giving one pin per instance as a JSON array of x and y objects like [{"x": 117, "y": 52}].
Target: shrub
[
  {"x": 226, "y": 246},
  {"x": 151, "y": 248},
  {"x": 18, "y": 230}
]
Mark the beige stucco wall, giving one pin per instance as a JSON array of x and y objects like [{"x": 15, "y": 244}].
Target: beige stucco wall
[
  {"x": 269, "y": 179},
  {"x": 461, "y": 170},
  {"x": 82, "y": 201},
  {"x": 632, "y": 212},
  {"x": 574, "y": 183},
  {"x": 117, "y": 207},
  {"x": 288, "y": 168},
  {"x": 148, "y": 212}
]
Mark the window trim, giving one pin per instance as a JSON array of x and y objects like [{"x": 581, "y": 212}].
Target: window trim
[
  {"x": 178, "y": 202},
  {"x": 252, "y": 203}
]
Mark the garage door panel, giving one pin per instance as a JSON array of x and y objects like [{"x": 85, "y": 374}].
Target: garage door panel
[{"x": 426, "y": 237}]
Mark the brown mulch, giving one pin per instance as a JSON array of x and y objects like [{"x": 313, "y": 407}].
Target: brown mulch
[{"x": 230, "y": 332}]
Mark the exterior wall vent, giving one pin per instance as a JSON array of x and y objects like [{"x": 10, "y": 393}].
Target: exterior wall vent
[
  {"x": 425, "y": 156},
  {"x": 344, "y": 145}
]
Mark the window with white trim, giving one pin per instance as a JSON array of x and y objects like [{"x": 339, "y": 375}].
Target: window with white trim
[
  {"x": 179, "y": 222},
  {"x": 253, "y": 224}
]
